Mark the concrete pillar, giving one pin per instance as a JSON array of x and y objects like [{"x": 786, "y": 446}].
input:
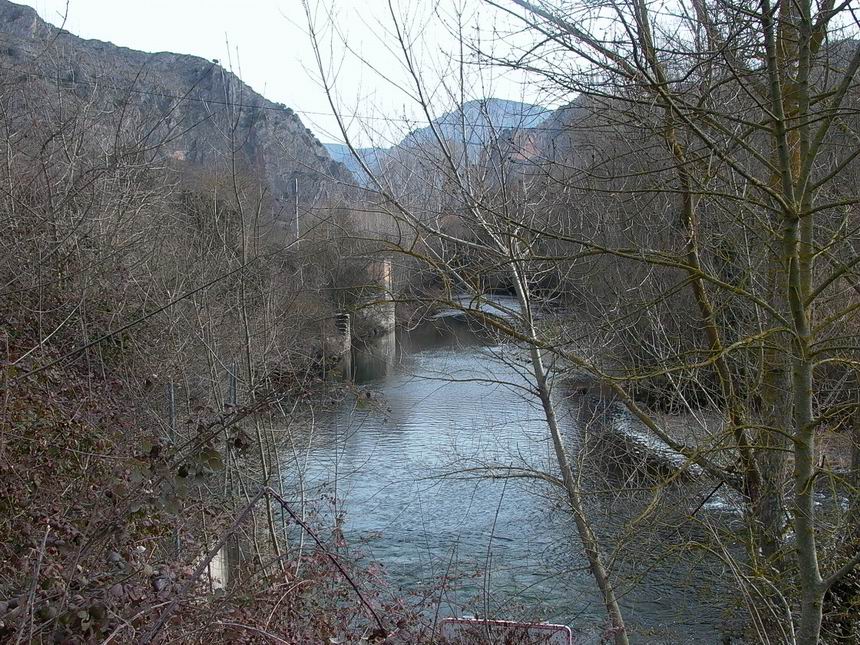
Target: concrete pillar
[
  {"x": 343, "y": 325},
  {"x": 383, "y": 275}
]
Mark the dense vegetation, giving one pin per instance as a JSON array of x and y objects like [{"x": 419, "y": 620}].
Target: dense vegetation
[{"x": 169, "y": 294}]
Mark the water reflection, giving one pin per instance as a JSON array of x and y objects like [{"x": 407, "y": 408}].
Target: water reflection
[{"x": 374, "y": 360}]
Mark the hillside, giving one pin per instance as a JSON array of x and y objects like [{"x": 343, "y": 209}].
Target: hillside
[
  {"x": 156, "y": 310},
  {"x": 176, "y": 107}
]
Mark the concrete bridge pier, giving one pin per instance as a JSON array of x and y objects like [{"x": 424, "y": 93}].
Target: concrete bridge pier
[
  {"x": 383, "y": 313},
  {"x": 343, "y": 326}
]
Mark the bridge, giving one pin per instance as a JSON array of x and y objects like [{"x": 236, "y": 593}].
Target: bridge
[{"x": 465, "y": 306}]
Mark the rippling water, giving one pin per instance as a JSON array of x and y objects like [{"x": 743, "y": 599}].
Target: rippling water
[{"x": 398, "y": 464}]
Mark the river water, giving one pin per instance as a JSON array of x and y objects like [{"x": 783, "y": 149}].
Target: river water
[{"x": 400, "y": 459}]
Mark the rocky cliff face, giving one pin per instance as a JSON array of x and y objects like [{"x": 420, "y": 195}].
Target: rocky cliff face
[{"x": 171, "y": 106}]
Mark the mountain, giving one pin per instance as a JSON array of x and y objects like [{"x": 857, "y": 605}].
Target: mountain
[
  {"x": 558, "y": 140},
  {"x": 181, "y": 109},
  {"x": 477, "y": 123}
]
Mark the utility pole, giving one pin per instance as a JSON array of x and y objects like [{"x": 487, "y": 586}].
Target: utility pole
[{"x": 298, "y": 232}]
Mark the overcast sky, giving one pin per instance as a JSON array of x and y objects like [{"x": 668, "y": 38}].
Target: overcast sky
[{"x": 270, "y": 48}]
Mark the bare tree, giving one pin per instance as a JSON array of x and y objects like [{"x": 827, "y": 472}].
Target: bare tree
[
  {"x": 708, "y": 168},
  {"x": 489, "y": 230},
  {"x": 750, "y": 103}
]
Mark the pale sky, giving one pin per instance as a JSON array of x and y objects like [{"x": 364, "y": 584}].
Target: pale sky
[{"x": 271, "y": 50}]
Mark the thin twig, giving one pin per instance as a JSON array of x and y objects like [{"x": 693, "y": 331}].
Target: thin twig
[
  {"x": 31, "y": 601},
  {"x": 331, "y": 557}
]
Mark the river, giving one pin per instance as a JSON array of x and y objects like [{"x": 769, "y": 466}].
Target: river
[{"x": 399, "y": 458}]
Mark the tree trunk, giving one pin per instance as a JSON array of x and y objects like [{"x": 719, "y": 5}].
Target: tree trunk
[
  {"x": 772, "y": 444},
  {"x": 854, "y": 510},
  {"x": 590, "y": 541},
  {"x": 811, "y": 584}
]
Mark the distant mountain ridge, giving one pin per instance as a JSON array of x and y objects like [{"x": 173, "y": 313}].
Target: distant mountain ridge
[
  {"x": 198, "y": 113},
  {"x": 373, "y": 157},
  {"x": 477, "y": 123}
]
